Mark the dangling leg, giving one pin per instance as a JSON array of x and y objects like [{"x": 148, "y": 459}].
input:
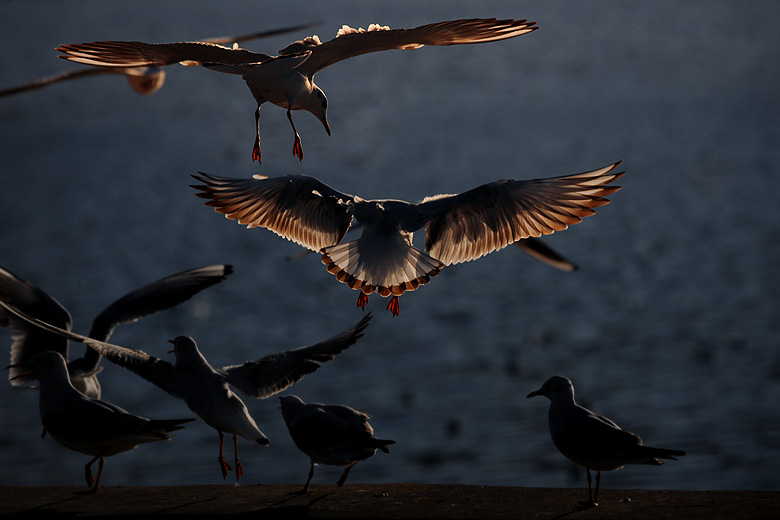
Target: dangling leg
[
  {"x": 344, "y": 475},
  {"x": 222, "y": 462},
  {"x": 362, "y": 300},
  {"x": 256, "y": 148},
  {"x": 297, "y": 146},
  {"x": 239, "y": 467},
  {"x": 311, "y": 474},
  {"x": 393, "y": 306}
]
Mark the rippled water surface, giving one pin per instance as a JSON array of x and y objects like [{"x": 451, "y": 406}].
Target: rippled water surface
[{"x": 670, "y": 326}]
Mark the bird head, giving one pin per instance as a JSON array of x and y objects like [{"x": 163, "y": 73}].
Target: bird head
[
  {"x": 318, "y": 106},
  {"x": 556, "y": 387}
]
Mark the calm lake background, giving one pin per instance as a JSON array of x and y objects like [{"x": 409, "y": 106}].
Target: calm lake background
[{"x": 670, "y": 326}]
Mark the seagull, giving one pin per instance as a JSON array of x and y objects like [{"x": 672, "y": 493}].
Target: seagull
[
  {"x": 149, "y": 299},
  {"x": 144, "y": 80},
  {"x": 592, "y": 440},
  {"x": 86, "y": 425},
  {"x": 206, "y": 390},
  {"x": 331, "y": 434},
  {"x": 459, "y": 228},
  {"x": 287, "y": 80}
]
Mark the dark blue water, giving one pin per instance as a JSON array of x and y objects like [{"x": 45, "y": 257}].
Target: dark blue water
[{"x": 670, "y": 326}]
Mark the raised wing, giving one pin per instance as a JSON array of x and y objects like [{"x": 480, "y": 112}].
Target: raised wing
[
  {"x": 477, "y": 222},
  {"x": 298, "y": 208},
  {"x": 157, "y": 296},
  {"x": 28, "y": 340},
  {"x": 354, "y": 42},
  {"x": 140, "y": 54},
  {"x": 154, "y": 370},
  {"x": 276, "y": 372},
  {"x": 257, "y": 35}
]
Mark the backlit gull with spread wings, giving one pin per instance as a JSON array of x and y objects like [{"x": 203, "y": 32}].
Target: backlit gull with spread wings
[
  {"x": 287, "y": 80},
  {"x": 592, "y": 440},
  {"x": 144, "y": 80},
  {"x": 29, "y": 340},
  {"x": 206, "y": 390},
  {"x": 86, "y": 425},
  {"x": 458, "y": 228}
]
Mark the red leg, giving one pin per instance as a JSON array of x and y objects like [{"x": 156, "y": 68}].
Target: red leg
[
  {"x": 591, "y": 501},
  {"x": 362, "y": 300},
  {"x": 598, "y": 485},
  {"x": 393, "y": 306},
  {"x": 100, "y": 472},
  {"x": 239, "y": 467},
  {"x": 222, "y": 462},
  {"x": 311, "y": 474},
  {"x": 344, "y": 475},
  {"x": 88, "y": 472},
  {"x": 297, "y": 146},
  {"x": 256, "y": 148}
]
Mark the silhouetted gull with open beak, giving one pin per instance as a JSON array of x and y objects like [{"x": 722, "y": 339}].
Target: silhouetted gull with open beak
[
  {"x": 331, "y": 434},
  {"x": 287, "y": 80},
  {"x": 592, "y": 440},
  {"x": 86, "y": 425},
  {"x": 29, "y": 340},
  {"x": 458, "y": 228},
  {"x": 206, "y": 390}
]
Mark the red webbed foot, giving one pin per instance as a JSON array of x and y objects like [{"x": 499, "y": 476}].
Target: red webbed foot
[
  {"x": 362, "y": 300},
  {"x": 256, "y": 151},
  {"x": 298, "y": 148},
  {"x": 394, "y": 306},
  {"x": 224, "y": 466}
]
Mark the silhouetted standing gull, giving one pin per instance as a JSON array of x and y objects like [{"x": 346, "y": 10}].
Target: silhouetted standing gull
[
  {"x": 86, "y": 425},
  {"x": 592, "y": 440},
  {"x": 144, "y": 80},
  {"x": 331, "y": 434},
  {"x": 287, "y": 80},
  {"x": 458, "y": 228},
  {"x": 149, "y": 299},
  {"x": 206, "y": 390}
]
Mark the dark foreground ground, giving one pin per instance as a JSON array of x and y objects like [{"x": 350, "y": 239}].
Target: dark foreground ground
[{"x": 408, "y": 501}]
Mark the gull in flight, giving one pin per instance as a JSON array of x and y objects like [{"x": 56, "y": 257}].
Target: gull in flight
[
  {"x": 144, "y": 80},
  {"x": 331, "y": 434},
  {"x": 287, "y": 80},
  {"x": 458, "y": 228},
  {"x": 592, "y": 440},
  {"x": 29, "y": 340},
  {"x": 86, "y": 425},
  {"x": 207, "y": 390}
]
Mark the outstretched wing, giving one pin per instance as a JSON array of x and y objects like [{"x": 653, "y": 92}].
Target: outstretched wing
[
  {"x": 154, "y": 370},
  {"x": 140, "y": 54},
  {"x": 155, "y": 297},
  {"x": 276, "y": 372},
  {"x": 477, "y": 222},
  {"x": 354, "y": 42},
  {"x": 298, "y": 208},
  {"x": 28, "y": 340}
]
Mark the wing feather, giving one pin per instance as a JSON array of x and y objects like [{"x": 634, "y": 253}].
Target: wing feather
[
  {"x": 298, "y": 208},
  {"x": 477, "y": 222}
]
